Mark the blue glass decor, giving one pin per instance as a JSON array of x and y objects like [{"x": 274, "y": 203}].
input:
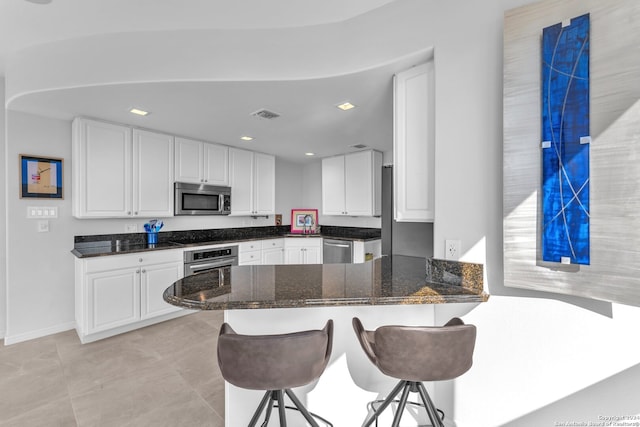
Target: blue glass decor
[{"x": 565, "y": 142}]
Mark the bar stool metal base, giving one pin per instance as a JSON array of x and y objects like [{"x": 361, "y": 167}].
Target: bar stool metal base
[
  {"x": 406, "y": 387},
  {"x": 276, "y": 397}
]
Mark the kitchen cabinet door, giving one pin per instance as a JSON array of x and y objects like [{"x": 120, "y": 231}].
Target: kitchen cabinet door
[
  {"x": 352, "y": 184},
  {"x": 414, "y": 144},
  {"x": 200, "y": 162},
  {"x": 313, "y": 255},
  {"x": 273, "y": 251},
  {"x": 363, "y": 183},
  {"x": 241, "y": 180},
  {"x": 264, "y": 184},
  {"x": 215, "y": 164},
  {"x": 293, "y": 255},
  {"x": 152, "y": 174},
  {"x": 333, "y": 196},
  {"x": 113, "y": 299},
  {"x": 302, "y": 250},
  {"x": 252, "y": 179},
  {"x": 188, "y": 160},
  {"x": 154, "y": 279},
  {"x": 101, "y": 169}
]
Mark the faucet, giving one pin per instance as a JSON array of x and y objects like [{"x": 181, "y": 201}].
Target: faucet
[{"x": 306, "y": 230}]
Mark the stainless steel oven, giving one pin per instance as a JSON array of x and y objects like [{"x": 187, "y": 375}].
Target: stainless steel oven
[
  {"x": 207, "y": 260},
  {"x": 201, "y": 199}
]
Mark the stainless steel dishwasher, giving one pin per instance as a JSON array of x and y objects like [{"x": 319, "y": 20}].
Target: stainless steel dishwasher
[{"x": 337, "y": 251}]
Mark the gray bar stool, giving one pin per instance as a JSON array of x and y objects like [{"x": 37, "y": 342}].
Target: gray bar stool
[
  {"x": 415, "y": 354},
  {"x": 275, "y": 363}
]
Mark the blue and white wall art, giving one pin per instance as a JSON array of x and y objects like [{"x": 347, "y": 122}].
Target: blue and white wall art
[{"x": 565, "y": 142}]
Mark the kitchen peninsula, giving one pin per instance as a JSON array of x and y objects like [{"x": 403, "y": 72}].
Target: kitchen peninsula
[{"x": 266, "y": 299}]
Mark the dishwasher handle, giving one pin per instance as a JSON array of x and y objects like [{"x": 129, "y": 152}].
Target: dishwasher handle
[{"x": 337, "y": 245}]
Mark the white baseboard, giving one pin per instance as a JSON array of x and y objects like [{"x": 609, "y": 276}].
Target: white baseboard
[{"x": 8, "y": 340}]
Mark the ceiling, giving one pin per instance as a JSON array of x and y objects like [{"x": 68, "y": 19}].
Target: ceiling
[{"x": 215, "y": 111}]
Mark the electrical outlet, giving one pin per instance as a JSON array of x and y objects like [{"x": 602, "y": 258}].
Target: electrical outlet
[
  {"x": 452, "y": 249},
  {"x": 131, "y": 228},
  {"x": 43, "y": 226}
]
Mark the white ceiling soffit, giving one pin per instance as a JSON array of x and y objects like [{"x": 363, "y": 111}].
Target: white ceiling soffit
[
  {"x": 299, "y": 72},
  {"x": 24, "y": 24}
]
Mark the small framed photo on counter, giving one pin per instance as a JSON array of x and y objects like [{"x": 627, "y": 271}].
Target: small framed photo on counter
[
  {"x": 304, "y": 220},
  {"x": 40, "y": 177}
]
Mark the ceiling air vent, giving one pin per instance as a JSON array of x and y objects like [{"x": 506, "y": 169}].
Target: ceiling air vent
[
  {"x": 358, "y": 146},
  {"x": 265, "y": 114}
]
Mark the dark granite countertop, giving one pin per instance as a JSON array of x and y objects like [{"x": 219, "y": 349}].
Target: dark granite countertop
[
  {"x": 120, "y": 244},
  {"x": 388, "y": 280}
]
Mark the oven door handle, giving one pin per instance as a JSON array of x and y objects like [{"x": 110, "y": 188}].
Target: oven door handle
[{"x": 198, "y": 267}]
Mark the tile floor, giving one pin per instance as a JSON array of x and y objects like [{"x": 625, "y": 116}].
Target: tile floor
[{"x": 161, "y": 375}]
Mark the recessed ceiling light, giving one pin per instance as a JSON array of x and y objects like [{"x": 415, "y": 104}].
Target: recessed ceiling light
[
  {"x": 309, "y": 154},
  {"x": 346, "y": 106},
  {"x": 39, "y": 1},
  {"x": 246, "y": 138},
  {"x": 138, "y": 111}
]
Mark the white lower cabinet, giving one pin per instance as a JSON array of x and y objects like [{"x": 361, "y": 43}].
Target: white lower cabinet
[
  {"x": 266, "y": 252},
  {"x": 250, "y": 253},
  {"x": 303, "y": 250},
  {"x": 119, "y": 293},
  {"x": 273, "y": 252}
]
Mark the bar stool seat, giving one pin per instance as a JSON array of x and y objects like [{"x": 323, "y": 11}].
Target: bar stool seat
[
  {"x": 415, "y": 354},
  {"x": 275, "y": 363}
]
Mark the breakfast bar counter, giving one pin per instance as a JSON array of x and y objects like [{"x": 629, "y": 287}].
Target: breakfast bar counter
[
  {"x": 274, "y": 299},
  {"x": 387, "y": 280}
]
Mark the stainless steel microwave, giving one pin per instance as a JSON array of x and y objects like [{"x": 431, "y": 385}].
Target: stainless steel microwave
[{"x": 201, "y": 199}]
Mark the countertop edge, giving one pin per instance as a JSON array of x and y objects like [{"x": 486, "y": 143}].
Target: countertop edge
[
  {"x": 336, "y": 302},
  {"x": 80, "y": 255}
]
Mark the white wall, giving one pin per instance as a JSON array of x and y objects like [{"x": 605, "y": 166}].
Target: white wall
[
  {"x": 3, "y": 225},
  {"x": 533, "y": 348},
  {"x": 40, "y": 278}
]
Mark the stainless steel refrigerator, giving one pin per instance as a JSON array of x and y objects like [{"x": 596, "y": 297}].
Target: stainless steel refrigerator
[{"x": 402, "y": 238}]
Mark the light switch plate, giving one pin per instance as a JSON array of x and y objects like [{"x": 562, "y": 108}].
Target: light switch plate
[{"x": 131, "y": 228}]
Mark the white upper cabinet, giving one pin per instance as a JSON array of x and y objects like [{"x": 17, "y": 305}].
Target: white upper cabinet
[
  {"x": 333, "y": 192},
  {"x": 351, "y": 184},
  {"x": 120, "y": 173},
  {"x": 252, "y": 180},
  {"x": 201, "y": 162},
  {"x": 152, "y": 174},
  {"x": 414, "y": 144},
  {"x": 101, "y": 169}
]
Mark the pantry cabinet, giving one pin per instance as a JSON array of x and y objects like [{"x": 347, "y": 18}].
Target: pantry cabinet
[
  {"x": 119, "y": 293},
  {"x": 120, "y": 172},
  {"x": 252, "y": 179},
  {"x": 201, "y": 162},
  {"x": 414, "y": 144},
  {"x": 352, "y": 184}
]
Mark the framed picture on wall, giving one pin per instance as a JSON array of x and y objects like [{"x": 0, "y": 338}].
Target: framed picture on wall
[
  {"x": 304, "y": 220},
  {"x": 40, "y": 177}
]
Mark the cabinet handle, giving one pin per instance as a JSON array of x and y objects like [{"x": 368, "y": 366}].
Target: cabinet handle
[
  {"x": 140, "y": 260},
  {"x": 135, "y": 213},
  {"x": 137, "y": 271},
  {"x": 144, "y": 271},
  {"x": 128, "y": 212}
]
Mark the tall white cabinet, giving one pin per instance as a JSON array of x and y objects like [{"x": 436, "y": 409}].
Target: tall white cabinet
[
  {"x": 252, "y": 178},
  {"x": 201, "y": 162},
  {"x": 414, "y": 144},
  {"x": 120, "y": 172},
  {"x": 351, "y": 184}
]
